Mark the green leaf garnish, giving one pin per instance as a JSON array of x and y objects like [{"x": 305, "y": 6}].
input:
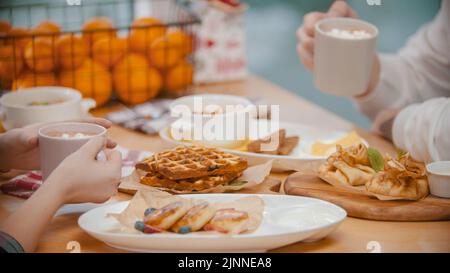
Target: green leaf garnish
[
  {"x": 401, "y": 153},
  {"x": 237, "y": 183},
  {"x": 376, "y": 159}
]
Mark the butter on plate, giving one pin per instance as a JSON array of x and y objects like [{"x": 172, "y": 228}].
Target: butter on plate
[{"x": 323, "y": 149}]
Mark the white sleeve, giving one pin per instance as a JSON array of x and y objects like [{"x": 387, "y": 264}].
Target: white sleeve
[
  {"x": 424, "y": 130},
  {"x": 419, "y": 71}
]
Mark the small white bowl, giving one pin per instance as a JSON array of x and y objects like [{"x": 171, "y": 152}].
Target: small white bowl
[
  {"x": 16, "y": 111},
  {"x": 439, "y": 178}
]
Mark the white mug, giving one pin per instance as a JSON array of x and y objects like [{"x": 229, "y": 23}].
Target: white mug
[
  {"x": 343, "y": 66},
  {"x": 54, "y": 149},
  {"x": 17, "y": 109}
]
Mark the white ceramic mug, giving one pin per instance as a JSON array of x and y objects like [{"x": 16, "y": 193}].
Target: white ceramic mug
[
  {"x": 16, "y": 109},
  {"x": 54, "y": 149},
  {"x": 342, "y": 66}
]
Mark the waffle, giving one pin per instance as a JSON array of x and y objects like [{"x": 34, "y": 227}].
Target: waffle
[
  {"x": 193, "y": 184},
  {"x": 193, "y": 162}
]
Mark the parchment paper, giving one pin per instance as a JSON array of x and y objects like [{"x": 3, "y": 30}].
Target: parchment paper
[
  {"x": 154, "y": 198},
  {"x": 253, "y": 175}
]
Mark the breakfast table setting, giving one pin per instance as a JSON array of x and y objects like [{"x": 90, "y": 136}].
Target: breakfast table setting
[
  {"x": 361, "y": 223},
  {"x": 137, "y": 127}
]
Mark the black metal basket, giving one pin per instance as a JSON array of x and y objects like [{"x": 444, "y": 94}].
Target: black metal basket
[{"x": 130, "y": 50}]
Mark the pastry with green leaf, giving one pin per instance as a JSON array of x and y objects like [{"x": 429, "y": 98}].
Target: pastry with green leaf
[{"x": 350, "y": 166}]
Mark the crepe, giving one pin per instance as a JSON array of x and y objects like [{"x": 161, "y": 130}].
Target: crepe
[
  {"x": 348, "y": 166},
  {"x": 253, "y": 206},
  {"x": 404, "y": 178}
]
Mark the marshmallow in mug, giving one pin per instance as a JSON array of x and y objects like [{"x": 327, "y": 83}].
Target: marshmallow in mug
[{"x": 349, "y": 34}]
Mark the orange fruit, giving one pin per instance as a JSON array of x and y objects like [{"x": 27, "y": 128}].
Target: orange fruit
[
  {"x": 5, "y": 84},
  {"x": 30, "y": 79},
  {"x": 46, "y": 27},
  {"x": 5, "y": 26},
  {"x": 109, "y": 51},
  {"x": 18, "y": 37},
  {"x": 181, "y": 40},
  {"x": 11, "y": 62},
  {"x": 179, "y": 78},
  {"x": 135, "y": 81},
  {"x": 164, "y": 53},
  {"x": 96, "y": 28},
  {"x": 143, "y": 32},
  {"x": 40, "y": 55},
  {"x": 71, "y": 51},
  {"x": 92, "y": 79}
]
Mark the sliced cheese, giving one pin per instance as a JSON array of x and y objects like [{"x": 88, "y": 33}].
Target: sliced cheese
[{"x": 323, "y": 149}]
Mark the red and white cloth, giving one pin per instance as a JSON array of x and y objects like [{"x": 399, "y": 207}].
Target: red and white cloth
[{"x": 24, "y": 185}]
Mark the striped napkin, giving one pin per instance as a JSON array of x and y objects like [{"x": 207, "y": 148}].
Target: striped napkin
[{"x": 24, "y": 185}]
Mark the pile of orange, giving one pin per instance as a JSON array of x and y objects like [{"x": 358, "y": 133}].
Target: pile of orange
[{"x": 137, "y": 67}]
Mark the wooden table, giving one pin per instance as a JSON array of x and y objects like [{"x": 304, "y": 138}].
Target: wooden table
[{"x": 354, "y": 235}]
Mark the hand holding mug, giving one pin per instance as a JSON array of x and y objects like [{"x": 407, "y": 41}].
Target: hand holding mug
[
  {"x": 81, "y": 178},
  {"x": 307, "y": 39},
  {"x": 306, "y": 32},
  {"x": 19, "y": 147}
]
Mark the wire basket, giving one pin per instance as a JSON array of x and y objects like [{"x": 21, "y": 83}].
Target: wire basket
[{"x": 106, "y": 49}]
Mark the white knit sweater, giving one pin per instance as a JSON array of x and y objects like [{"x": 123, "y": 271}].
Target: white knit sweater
[{"x": 409, "y": 80}]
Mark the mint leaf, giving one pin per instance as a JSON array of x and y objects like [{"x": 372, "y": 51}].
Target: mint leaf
[
  {"x": 376, "y": 159},
  {"x": 237, "y": 183},
  {"x": 401, "y": 153}
]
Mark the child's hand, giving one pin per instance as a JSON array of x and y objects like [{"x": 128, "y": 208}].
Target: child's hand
[
  {"x": 78, "y": 179},
  {"x": 81, "y": 178},
  {"x": 19, "y": 147},
  {"x": 305, "y": 33}
]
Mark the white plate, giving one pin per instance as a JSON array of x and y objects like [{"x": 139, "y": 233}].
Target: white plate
[
  {"x": 287, "y": 219},
  {"x": 300, "y": 155}
]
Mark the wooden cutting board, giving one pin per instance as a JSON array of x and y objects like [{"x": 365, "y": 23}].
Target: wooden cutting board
[{"x": 362, "y": 206}]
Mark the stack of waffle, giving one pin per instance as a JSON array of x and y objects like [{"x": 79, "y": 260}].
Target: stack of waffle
[{"x": 190, "y": 169}]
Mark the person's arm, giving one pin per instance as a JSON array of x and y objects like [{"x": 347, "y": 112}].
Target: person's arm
[
  {"x": 27, "y": 224},
  {"x": 79, "y": 178},
  {"x": 422, "y": 129},
  {"x": 419, "y": 71}
]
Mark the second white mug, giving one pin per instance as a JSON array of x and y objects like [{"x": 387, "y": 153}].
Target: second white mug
[{"x": 343, "y": 64}]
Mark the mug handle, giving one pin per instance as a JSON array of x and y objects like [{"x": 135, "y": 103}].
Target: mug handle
[
  {"x": 87, "y": 104},
  {"x": 2, "y": 114}
]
